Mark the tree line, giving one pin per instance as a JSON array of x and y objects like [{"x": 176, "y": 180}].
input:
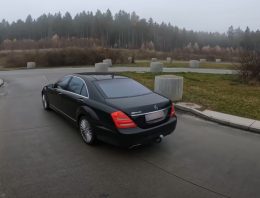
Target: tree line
[{"x": 124, "y": 30}]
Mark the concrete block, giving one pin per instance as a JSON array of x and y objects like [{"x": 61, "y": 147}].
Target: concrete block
[
  {"x": 203, "y": 60},
  {"x": 130, "y": 59},
  {"x": 156, "y": 67},
  {"x": 194, "y": 64},
  {"x": 31, "y": 65},
  {"x": 101, "y": 67},
  {"x": 170, "y": 86},
  {"x": 108, "y": 61},
  {"x": 168, "y": 59},
  {"x": 1, "y": 82}
]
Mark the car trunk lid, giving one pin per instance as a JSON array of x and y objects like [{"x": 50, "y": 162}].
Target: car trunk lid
[{"x": 146, "y": 110}]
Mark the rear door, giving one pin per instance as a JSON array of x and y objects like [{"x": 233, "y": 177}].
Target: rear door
[{"x": 74, "y": 97}]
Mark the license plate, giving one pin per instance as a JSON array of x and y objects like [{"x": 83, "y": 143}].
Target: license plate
[{"x": 154, "y": 116}]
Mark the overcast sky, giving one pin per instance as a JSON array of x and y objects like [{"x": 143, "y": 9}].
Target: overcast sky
[{"x": 205, "y": 15}]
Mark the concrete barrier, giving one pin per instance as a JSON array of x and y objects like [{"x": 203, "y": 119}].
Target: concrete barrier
[
  {"x": 130, "y": 59},
  {"x": 156, "y": 67},
  {"x": 31, "y": 65},
  {"x": 1, "y": 82},
  {"x": 194, "y": 64},
  {"x": 101, "y": 67},
  {"x": 168, "y": 59},
  {"x": 170, "y": 86},
  {"x": 108, "y": 61},
  {"x": 203, "y": 60}
]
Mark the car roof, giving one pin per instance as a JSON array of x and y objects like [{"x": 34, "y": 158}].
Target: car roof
[{"x": 96, "y": 76}]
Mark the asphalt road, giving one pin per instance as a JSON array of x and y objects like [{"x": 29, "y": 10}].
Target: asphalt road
[{"x": 42, "y": 155}]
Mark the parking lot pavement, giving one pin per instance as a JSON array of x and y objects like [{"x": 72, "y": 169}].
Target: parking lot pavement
[{"x": 42, "y": 155}]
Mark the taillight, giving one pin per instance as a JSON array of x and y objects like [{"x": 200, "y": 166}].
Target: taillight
[
  {"x": 172, "y": 111},
  {"x": 122, "y": 121}
]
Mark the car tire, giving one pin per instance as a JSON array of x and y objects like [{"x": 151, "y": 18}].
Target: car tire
[
  {"x": 45, "y": 103},
  {"x": 86, "y": 131}
]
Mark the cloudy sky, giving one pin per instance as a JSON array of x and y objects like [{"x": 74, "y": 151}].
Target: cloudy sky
[{"x": 205, "y": 15}]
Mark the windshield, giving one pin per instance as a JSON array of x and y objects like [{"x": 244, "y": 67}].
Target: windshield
[{"x": 119, "y": 88}]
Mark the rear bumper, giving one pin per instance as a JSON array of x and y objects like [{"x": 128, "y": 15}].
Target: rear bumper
[{"x": 130, "y": 137}]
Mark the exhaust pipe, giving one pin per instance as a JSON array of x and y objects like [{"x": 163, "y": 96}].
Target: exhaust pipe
[{"x": 159, "y": 139}]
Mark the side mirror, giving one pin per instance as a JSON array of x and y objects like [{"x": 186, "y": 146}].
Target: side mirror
[{"x": 54, "y": 85}]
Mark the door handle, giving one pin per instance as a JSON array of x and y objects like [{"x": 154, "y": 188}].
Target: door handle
[{"x": 60, "y": 93}]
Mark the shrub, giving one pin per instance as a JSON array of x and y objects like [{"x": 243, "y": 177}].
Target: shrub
[
  {"x": 64, "y": 57},
  {"x": 16, "y": 59},
  {"x": 249, "y": 66}
]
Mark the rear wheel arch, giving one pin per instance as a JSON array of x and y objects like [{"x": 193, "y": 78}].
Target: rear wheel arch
[
  {"x": 83, "y": 113},
  {"x": 87, "y": 112}
]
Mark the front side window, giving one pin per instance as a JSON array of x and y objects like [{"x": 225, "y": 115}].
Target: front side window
[
  {"x": 62, "y": 84},
  {"x": 75, "y": 85}
]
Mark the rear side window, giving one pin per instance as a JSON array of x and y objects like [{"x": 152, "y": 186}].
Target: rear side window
[
  {"x": 75, "y": 85},
  {"x": 84, "y": 91},
  {"x": 62, "y": 84},
  {"x": 120, "y": 88}
]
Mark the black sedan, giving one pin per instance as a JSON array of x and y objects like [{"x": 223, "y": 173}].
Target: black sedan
[{"x": 111, "y": 108}]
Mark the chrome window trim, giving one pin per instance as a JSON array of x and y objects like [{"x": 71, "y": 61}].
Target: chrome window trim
[
  {"x": 62, "y": 90},
  {"x": 73, "y": 92},
  {"x": 140, "y": 114}
]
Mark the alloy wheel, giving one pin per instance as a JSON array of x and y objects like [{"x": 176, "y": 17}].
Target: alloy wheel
[
  {"x": 44, "y": 102},
  {"x": 86, "y": 131}
]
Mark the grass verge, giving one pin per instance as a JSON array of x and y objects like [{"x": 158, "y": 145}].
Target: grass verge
[{"x": 223, "y": 93}]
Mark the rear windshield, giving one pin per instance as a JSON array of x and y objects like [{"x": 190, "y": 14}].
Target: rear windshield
[{"x": 119, "y": 88}]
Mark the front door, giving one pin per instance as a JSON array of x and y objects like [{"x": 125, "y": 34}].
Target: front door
[{"x": 57, "y": 91}]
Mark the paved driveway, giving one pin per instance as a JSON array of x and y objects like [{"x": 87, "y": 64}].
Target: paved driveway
[{"x": 42, "y": 155}]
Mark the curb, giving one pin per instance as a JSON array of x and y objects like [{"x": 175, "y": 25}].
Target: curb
[{"x": 252, "y": 125}]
